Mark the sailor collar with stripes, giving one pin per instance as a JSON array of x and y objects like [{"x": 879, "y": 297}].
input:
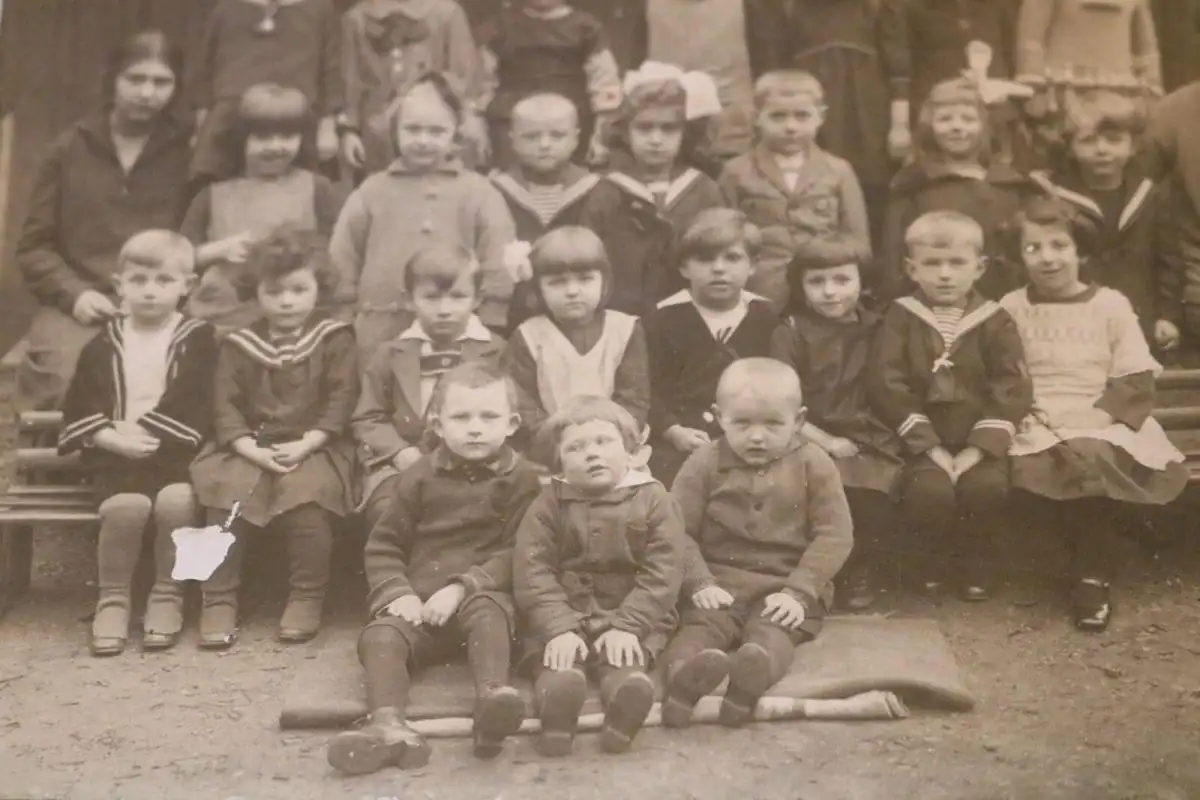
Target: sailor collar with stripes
[
  {"x": 154, "y": 420},
  {"x": 978, "y": 311},
  {"x": 255, "y": 342},
  {"x": 1129, "y": 211},
  {"x": 582, "y": 183},
  {"x": 673, "y": 190}
]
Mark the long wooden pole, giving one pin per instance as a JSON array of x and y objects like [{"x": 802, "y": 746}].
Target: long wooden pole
[{"x": 6, "y": 147}]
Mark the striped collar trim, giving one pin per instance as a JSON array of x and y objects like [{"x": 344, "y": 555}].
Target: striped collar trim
[
  {"x": 684, "y": 297},
  {"x": 114, "y": 329},
  {"x": 519, "y": 194},
  {"x": 675, "y": 188},
  {"x": 972, "y": 319},
  {"x": 1132, "y": 206},
  {"x": 272, "y": 355}
]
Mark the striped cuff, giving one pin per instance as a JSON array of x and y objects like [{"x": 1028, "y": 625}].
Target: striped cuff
[
  {"x": 993, "y": 436},
  {"x": 913, "y": 421},
  {"x": 75, "y": 435},
  {"x": 160, "y": 423}
]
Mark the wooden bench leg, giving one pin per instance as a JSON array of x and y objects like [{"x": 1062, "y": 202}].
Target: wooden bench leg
[{"x": 16, "y": 563}]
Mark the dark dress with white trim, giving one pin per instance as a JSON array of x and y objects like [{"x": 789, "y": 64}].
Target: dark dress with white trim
[
  {"x": 181, "y": 420},
  {"x": 277, "y": 391}
]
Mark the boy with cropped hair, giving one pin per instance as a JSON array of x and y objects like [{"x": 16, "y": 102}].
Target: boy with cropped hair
[
  {"x": 768, "y": 529},
  {"x": 138, "y": 408},
  {"x": 439, "y": 566},
  {"x": 948, "y": 375}
]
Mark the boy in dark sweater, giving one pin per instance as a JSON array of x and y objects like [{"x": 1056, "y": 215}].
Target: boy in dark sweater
[
  {"x": 768, "y": 529},
  {"x": 439, "y": 565},
  {"x": 948, "y": 375}
]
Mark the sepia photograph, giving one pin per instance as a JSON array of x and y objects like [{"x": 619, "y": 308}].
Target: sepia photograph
[{"x": 600, "y": 399}]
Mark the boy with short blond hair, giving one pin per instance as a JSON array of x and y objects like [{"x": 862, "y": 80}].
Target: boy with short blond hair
[
  {"x": 439, "y": 566},
  {"x": 948, "y": 375},
  {"x": 138, "y": 408},
  {"x": 768, "y": 529}
]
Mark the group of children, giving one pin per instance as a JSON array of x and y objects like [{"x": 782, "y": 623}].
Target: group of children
[{"x": 502, "y": 374}]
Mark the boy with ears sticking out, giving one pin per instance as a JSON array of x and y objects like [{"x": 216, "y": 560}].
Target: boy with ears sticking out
[
  {"x": 768, "y": 529},
  {"x": 439, "y": 564},
  {"x": 948, "y": 375},
  {"x": 139, "y": 407}
]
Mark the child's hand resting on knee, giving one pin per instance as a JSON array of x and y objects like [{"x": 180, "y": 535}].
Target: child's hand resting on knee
[
  {"x": 407, "y": 608},
  {"x": 564, "y": 650},
  {"x": 620, "y": 648},
  {"x": 784, "y": 610},
  {"x": 838, "y": 447},
  {"x": 261, "y": 457},
  {"x": 712, "y": 598},
  {"x": 684, "y": 439},
  {"x": 441, "y": 606},
  {"x": 1166, "y": 335}
]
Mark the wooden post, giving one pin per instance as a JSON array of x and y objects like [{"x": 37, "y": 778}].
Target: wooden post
[{"x": 6, "y": 148}]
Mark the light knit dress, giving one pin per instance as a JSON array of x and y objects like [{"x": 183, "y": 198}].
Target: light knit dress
[{"x": 1075, "y": 349}]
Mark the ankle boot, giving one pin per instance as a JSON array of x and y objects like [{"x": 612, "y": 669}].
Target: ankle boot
[
  {"x": 219, "y": 612},
  {"x": 386, "y": 740},
  {"x": 301, "y": 618},
  {"x": 560, "y": 696},
  {"x": 749, "y": 679},
  {"x": 164, "y": 616},
  {"x": 498, "y": 715},
  {"x": 690, "y": 680},
  {"x": 628, "y": 696},
  {"x": 110, "y": 625}
]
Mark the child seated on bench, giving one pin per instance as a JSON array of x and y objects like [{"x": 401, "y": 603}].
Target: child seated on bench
[
  {"x": 768, "y": 529},
  {"x": 444, "y": 286},
  {"x": 948, "y": 375},
  {"x": 596, "y": 576},
  {"x": 138, "y": 408},
  {"x": 1090, "y": 444},
  {"x": 439, "y": 564}
]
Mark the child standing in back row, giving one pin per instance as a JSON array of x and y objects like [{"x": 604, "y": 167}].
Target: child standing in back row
[
  {"x": 426, "y": 196},
  {"x": 292, "y": 43},
  {"x": 226, "y": 217},
  {"x": 789, "y": 187},
  {"x": 138, "y": 409},
  {"x": 653, "y": 189},
  {"x": 285, "y": 390},
  {"x": 948, "y": 375},
  {"x": 543, "y": 187},
  {"x": 768, "y": 529}
]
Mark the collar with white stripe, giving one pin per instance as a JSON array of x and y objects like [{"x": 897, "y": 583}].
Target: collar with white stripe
[
  {"x": 675, "y": 188},
  {"x": 274, "y": 355},
  {"x": 1128, "y": 212},
  {"x": 978, "y": 312},
  {"x": 521, "y": 195},
  {"x": 684, "y": 296}
]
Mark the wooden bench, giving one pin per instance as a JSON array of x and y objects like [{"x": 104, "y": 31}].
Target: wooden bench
[{"x": 47, "y": 488}]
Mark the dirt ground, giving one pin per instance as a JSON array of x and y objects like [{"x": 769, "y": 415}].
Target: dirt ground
[{"x": 1061, "y": 714}]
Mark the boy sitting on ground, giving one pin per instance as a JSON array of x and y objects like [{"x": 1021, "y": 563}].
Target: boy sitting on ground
[
  {"x": 768, "y": 529},
  {"x": 439, "y": 564}
]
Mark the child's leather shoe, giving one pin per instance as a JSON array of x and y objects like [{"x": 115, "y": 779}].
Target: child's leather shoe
[
  {"x": 625, "y": 712},
  {"x": 387, "y": 740},
  {"x": 749, "y": 679},
  {"x": 1092, "y": 602},
  {"x": 218, "y": 625},
  {"x": 301, "y": 618},
  {"x": 164, "y": 621},
  {"x": 498, "y": 715},
  {"x": 700, "y": 675},
  {"x": 560, "y": 695},
  {"x": 110, "y": 627}
]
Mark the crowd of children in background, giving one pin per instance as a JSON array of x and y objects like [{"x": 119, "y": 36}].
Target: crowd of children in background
[{"x": 638, "y": 328}]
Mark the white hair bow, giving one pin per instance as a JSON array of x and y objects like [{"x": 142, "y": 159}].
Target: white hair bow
[{"x": 700, "y": 88}]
